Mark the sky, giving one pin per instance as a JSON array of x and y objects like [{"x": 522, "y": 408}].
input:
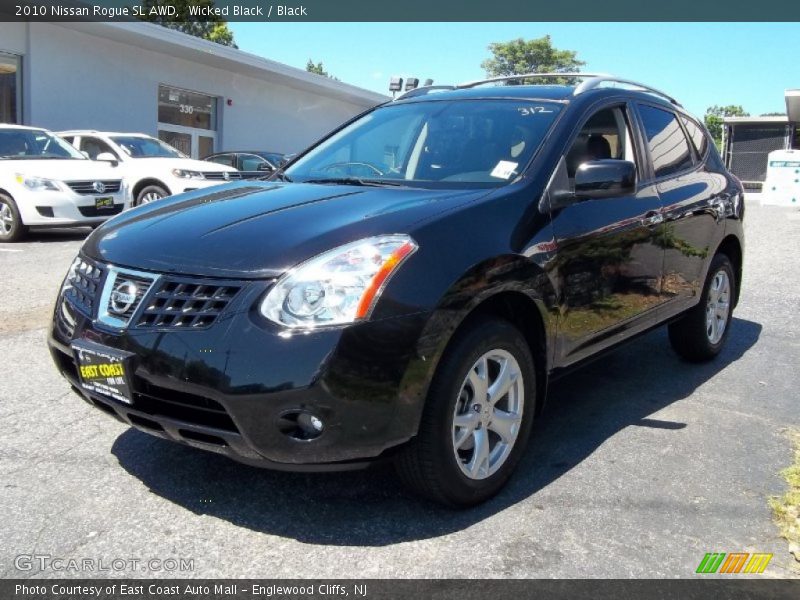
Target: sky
[{"x": 700, "y": 64}]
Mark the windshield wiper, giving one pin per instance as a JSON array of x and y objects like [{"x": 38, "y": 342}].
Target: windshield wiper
[{"x": 355, "y": 181}]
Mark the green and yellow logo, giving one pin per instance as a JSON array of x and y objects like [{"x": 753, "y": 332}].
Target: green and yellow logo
[{"x": 735, "y": 562}]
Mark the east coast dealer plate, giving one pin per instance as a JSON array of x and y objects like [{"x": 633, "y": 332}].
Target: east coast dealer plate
[
  {"x": 104, "y": 203},
  {"x": 103, "y": 370}
]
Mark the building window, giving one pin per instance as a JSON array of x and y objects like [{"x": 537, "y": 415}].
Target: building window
[
  {"x": 187, "y": 120},
  {"x": 10, "y": 88},
  {"x": 185, "y": 108}
]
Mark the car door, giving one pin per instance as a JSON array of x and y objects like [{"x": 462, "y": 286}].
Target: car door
[
  {"x": 609, "y": 257},
  {"x": 228, "y": 159},
  {"x": 691, "y": 194},
  {"x": 93, "y": 146},
  {"x": 252, "y": 165}
]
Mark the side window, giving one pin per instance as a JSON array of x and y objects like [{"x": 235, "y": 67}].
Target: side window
[
  {"x": 69, "y": 138},
  {"x": 605, "y": 135},
  {"x": 250, "y": 162},
  {"x": 223, "y": 159},
  {"x": 94, "y": 146},
  {"x": 697, "y": 135},
  {"x": 669, "y": 148}
]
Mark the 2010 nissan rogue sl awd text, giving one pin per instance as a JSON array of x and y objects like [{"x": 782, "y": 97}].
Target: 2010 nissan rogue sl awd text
[{"x": 406, "y": 287}]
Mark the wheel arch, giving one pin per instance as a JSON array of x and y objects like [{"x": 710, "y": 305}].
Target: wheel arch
[
  {"x": 525, "y": 314},
  {"x": 514, "y": 289},
  {"x": 731, "y": 247},
  {"x": 143, "y": 183}
]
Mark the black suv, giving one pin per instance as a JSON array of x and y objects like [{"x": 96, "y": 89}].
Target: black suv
[{"x": 406, "y": 287}]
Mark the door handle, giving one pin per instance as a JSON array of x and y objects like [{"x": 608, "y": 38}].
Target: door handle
[{"x": 652, "y": 219}]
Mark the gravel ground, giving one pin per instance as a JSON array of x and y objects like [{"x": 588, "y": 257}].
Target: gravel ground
[{"x": 641, "y": 465}]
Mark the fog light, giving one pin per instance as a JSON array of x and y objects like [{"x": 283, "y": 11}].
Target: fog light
[
  {"x": 300, "y": 425},
  {"x": 309, "y": 423}
]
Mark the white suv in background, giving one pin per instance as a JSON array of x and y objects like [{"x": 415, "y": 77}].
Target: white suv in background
[
  {"x": 45, "y": 182},
  {"x": 153, "y": 169}
]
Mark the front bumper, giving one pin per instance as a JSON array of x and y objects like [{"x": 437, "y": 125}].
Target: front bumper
[
  {"x": 180, "y": 185},
  {"x": 229, "y": 388},
  {"x": 64, "y": 208}
]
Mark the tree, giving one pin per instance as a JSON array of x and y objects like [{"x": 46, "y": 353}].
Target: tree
[
  {"x": 714, "y": 116},
  {"x": 319, "y": 69},
  {"x": 520, "y": 56},
  {"x": 773, "y": 114},
  {"x": 212, "y": 27}
]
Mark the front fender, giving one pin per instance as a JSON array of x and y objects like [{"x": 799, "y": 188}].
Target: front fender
[{"x": 509, "y": 275}]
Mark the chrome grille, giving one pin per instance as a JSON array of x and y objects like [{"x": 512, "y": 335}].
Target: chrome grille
[
  {"x": 82, "y": 285},
  {"x": 220, "y": 175},
  {"x": 122, "y": 296},
  {"x": 134, "y": 286},
  {"x": 186, "y": 304},
  {"x": 87, "y": 188}
]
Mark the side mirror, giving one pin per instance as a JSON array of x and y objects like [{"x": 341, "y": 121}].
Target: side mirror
[
  {"x": 107, "y": 157},
  {"x": 264, "y": 167},
  {"x": 606, "y": 178}
]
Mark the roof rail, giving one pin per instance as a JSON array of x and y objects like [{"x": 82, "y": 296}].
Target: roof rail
[
  {"x": 421, "y": 91},
  {"x": 597, "y": 81},
  {"x": 590, "y": 81},
  {"x": 471, "y": 84}
]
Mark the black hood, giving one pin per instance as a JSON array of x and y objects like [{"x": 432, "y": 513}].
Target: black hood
[{"x": 260, "y": 229}]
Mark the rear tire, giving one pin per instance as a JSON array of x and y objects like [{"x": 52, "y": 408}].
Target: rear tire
[
  {"x": 11, "y": 226},
  {"x": 150, "y": 193},
  {"x": 701, "y": 333},
  {"x": 473, "y": 433}
]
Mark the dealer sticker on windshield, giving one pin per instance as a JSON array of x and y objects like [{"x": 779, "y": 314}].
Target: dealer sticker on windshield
[
  {"x": 504, "y": 169},
  {"x": 103, "y": 370}
]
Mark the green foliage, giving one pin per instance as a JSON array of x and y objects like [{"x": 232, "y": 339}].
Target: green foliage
[
  {"x": 520, "y": 56},
  {"x": 319, "y": 69},
  {"x": 714, "y": 116},
  {"x": 212, "y": 28}
]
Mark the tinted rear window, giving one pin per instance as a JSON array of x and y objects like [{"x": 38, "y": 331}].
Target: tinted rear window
[
  {"x": 669, "y": 148},
  {"x": 697, "y": 135}
]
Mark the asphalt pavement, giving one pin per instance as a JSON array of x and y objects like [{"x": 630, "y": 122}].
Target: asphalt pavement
[{"x": 641, "y": 464}]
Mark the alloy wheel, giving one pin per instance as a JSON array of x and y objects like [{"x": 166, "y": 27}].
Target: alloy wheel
[
  {"x": 150, "y": 197},
  {"x": 488, "y": 414},
  {"x": 6, "y": 219},
  {"x": 718, "y": 306}
]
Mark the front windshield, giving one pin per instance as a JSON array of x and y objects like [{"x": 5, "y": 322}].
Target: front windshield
[
  {"x": 34, "y": 144},
  {"x": 146, "y": 147},
  {"x": 466, "y": 143}
]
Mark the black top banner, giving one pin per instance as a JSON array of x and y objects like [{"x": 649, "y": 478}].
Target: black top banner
[{"x": 402, "y": 10}]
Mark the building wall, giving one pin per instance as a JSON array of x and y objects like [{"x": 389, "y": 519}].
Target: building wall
[
  {"x": 13, "y": 37},
  {"x": 78, "y": 81}
]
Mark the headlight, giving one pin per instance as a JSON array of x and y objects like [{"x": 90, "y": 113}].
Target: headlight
[
  {"x": 73, "y": 269},
  {"x": 339, "y": 286},
  {"x": 37, "y": 184},
  {"x": 184, "y": 174}
]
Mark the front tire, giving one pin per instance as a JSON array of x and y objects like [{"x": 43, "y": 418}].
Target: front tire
[
  {"x": 477, "y": 418},
  {"x": 150, "y": 193},
  {"x": 11, "y": 227},
  {"x": 701, "y": 333}
]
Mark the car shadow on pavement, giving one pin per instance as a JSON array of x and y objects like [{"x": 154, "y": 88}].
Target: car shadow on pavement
[
  {"x": 371, "y": 508},
  {"x": 54, "y": 235}
]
